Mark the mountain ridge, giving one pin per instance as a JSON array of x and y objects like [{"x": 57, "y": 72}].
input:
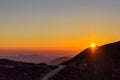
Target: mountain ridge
[{"x": 99, "y": 63}]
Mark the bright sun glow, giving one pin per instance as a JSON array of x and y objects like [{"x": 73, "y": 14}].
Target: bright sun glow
[{"x": 93, "y": 45}]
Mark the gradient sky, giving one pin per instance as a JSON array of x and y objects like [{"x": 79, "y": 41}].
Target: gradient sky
[{"x": 58, "y": 24}]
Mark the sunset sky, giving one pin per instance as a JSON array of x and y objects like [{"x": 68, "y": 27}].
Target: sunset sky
[{"x": 58, "y": 24}]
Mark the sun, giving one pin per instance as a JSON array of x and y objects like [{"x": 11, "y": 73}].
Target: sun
[{"x": 93, "y": 45}]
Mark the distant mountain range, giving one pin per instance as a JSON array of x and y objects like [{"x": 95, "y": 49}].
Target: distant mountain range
[{"x": 37, "y": 59}]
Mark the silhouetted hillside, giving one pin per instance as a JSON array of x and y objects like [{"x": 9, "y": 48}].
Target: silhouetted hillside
[{"x": 100, "y": 63}]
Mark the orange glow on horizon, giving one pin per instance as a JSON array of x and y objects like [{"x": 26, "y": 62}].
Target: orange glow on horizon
[
  {"x": 76, "y": 45},
  {"x": 41, "y": 48}
]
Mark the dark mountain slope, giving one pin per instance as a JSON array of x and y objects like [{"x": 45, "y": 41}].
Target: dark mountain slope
[{"x": 100, "y": 63}]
